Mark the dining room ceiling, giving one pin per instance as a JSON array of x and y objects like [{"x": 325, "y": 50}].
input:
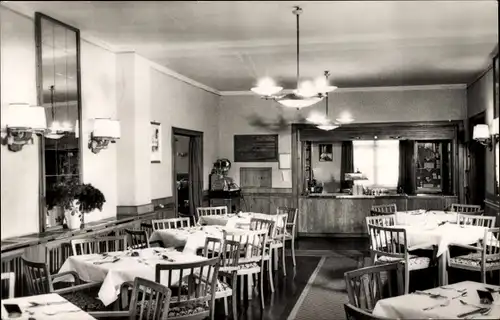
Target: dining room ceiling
[{"x": 230, "y": 45}]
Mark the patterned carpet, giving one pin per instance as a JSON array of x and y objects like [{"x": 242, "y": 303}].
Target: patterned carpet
[{"x": 324, "y": 297}]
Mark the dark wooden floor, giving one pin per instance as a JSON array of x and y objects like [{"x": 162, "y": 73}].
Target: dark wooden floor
[{"x": 287, "y": 291}]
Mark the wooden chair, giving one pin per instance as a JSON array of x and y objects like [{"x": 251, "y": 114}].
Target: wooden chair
[
  {"x": 11, "y": 277},
  {"x": 148, "y": 227},
  {"x": 291, "y": 226},
  {"x": 40, "y": 281},
  {"x": 137, "y": 239},
  {"x": 366, "y": 286},
  {"x": 98, "y": 245},
  {"x": 150, "y": 300},
  {"x": 389, "y": 244},
  {"x": 215, "y": 247},
  {"x": 211, "y": 211},
  {"x": 353, "y": 313},
  {"x": 269, "y": 225},
  {"x": 384, "y": 209},
  {"x": 486, "y": 256},
  {"x": 172, "y": 223},
  {"x": 195, "y": 301},
  {"x": 466, "y": 208},
  {"x": 253, "y": 254},
  {"x": 474, "y": 220},
  {"x": 277, "y": 241},
  {"x": 384, "y": 221}
]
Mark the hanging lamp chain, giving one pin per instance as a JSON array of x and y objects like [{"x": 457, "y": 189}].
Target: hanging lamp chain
[
  {"x": 297, "y": 11},
  {"x": 327, "y": 75}
]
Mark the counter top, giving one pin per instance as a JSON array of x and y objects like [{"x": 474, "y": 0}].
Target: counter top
[
  {"x": 348, "y": 196},
  {"x": 60, "y": 233}
]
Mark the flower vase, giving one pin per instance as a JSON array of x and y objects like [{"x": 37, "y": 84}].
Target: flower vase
[{"x": 73, "y": 219}]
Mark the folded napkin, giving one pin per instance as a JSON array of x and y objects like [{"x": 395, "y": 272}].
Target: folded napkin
[{"x": 106, "y": 261}]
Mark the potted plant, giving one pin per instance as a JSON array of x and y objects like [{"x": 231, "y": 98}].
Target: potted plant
[{"x": 75, "y": 199}]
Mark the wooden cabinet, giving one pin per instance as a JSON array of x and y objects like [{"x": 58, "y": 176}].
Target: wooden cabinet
[{"x": 256, "y": 177}]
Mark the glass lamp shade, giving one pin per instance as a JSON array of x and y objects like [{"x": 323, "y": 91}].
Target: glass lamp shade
[
  {"x": 293, "y": 100},
  {"x": 22, "y": 115},
  {"x": 327, "y": 126},
  {"x": 481, "y": 132},
  {"x": 106, "y": 128},
  {"x": 317, "y": 118},
  {"x": 345, "y": 119},
  {"x": 494, "y": 127},
  {"x": 266, "y": 90}
]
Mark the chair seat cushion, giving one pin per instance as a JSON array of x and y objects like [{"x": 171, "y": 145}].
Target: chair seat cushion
[
  {"x": 86, "y": 300},
  {"x": 190, "y": 309},
  {"x": 475, "y": 259},
  {"x": 415, "y": 262}
]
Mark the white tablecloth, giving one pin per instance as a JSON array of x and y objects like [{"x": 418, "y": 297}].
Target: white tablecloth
[
  {"x": 113, "y": 275},
  {"x": 191, "y": 238},
  {"x": 56, "y": 308},
  {"x": 424, "y": 217},
  {"x": 411, "y": 306},
  {"x": 426, "y": 236}
]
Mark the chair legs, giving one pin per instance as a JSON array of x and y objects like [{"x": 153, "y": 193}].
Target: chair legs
[
  {"x": 270, "y": 273},
  {"x": 283, "y": 260},
  {"x": 407, "y": 279}
]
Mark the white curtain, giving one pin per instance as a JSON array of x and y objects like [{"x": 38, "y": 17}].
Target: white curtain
[{"x": 378, "y": 160}]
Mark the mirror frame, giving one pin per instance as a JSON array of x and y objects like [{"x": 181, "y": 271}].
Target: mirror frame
[{"x": 39, "y": 85}]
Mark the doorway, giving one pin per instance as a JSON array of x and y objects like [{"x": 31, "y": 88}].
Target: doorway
[
  {"x": 187, "y": 171},
  {"x": 477, "y": 170}
]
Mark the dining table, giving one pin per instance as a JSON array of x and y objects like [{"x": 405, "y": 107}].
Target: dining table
[
  {"x": 235, "y": 220},
  {"x": 115, "y": 268},
  {"x": 50, "y": 306},
  {"x": 455, "y": 301},
  {"x": 191, "y": 239},
  {"x": 425, "y": 217},
  {"x": 429, "y": 233}
]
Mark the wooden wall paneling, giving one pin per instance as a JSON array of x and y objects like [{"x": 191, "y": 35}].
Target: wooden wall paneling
[
  {"x": 280, "y": 200},
  {"x": 256, "y": 177},
  {"x": 401, "y": 202},
  {"x": 11, "y": 262}
]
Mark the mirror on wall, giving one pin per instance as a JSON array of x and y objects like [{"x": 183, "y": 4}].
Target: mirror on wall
[
  {"x": 496, "y": 112},
  {"x": 58, "y": 87}
]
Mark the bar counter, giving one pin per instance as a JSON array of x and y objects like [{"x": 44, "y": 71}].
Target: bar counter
[{"x": 343, "y": 215}]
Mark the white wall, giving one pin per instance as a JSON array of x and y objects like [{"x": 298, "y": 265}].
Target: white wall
[
  {"x": 20, "y": 170},
  {"x": 366, "y": 107},
  {"x": 178, "y": 104}
]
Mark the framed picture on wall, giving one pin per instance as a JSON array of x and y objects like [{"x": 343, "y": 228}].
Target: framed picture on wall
[
  {"x": 325, "y": 152},
  {"x": 156, "y": 146}
]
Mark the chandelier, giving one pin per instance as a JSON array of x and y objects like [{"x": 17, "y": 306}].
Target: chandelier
[{"x": 306, "y": 94}]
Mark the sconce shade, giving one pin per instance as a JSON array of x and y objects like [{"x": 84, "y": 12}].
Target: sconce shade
[
  {"x": 106, "y": 128},
  {"x": 494, "y": 127},
  {"x": 21, "y": 115},
  {"x": 481, "y": 132}
]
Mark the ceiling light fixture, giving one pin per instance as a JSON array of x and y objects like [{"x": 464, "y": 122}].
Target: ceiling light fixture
[
  {"x": 327, "y": 124},
  {"x": 305, "y": 95}
]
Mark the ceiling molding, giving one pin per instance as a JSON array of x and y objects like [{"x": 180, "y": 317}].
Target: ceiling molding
[
  {"x": 179, "y": 76},
  {"x": 365, "y": 89}
]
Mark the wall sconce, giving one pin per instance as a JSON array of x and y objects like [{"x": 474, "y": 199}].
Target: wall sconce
[
  {"x": 105, "y": 131},
  {"x": 486, "y": 135},
  {"x": 20, "y": 121}
]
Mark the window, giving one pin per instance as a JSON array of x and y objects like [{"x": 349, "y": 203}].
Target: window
[{"x": 378, "y": 160}]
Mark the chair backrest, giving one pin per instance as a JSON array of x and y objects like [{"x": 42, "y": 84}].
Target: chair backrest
[
  {"x": 172, "y": 223},
  {"x": 491, "y": 244},
  {"x": 384, "y": 220},
  {"x": 474, "y": 220},
  {"x": 388, "y": 241},
  {"x": 353, "y": 313},
  {"x": 465, "y": 208},
  {"x": 38, "y": 279},
  {"x": 137, "y": 239},
  {"x": 148, "y": 227},
  {"x": 252, "y": 243},
  {"x": 211, "y": 211},
  {"x": 280, "y": 226},
  {"x": 230, "y": 254},
  {"x": 150, "y": 300},
  {"x": 263, "y": 224},
  {"x": 292, "y": 214},
  {"x": 368, "y": 285},
  {"x": 201, "y": 272},
  {"x": 212, "y": 247},
  {"x": 11, "y": 279},
  {"x": 98, "y": 245},
  {"x": 384, "y": 209}
]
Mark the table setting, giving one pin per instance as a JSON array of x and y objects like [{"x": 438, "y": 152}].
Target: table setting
[
  {"x": 115, "y": 268},
  {"x": 425, "y": 217},
  {"x": 46, "y": 306},
  {"x": 463, "y": 300}
]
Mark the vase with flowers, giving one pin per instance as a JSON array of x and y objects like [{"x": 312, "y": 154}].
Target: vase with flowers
[{"x": 75, "y": 199}]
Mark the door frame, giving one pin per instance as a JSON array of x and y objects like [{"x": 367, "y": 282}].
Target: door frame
[
  {"x": 191, "y": 134},
  {"x": 479, "y": 118}
]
